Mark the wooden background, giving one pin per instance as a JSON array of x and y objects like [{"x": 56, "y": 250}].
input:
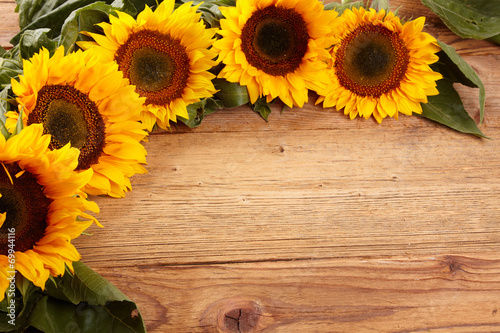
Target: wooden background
[{"x": 312, "y": 222}]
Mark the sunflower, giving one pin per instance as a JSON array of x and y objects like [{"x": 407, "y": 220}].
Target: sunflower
[
  {"x": 276, "y": 48},
  {"x": 87, "y": 102},
  {"x": 381, "y": 67},
  {"x": 41, "y": 207},
  {"x": 166, "y": 54}
]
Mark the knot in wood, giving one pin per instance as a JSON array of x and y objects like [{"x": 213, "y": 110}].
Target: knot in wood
[{"x": 242, "y": 319}]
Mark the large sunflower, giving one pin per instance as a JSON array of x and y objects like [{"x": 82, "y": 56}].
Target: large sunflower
[
  {"x": 41, "y": 208},
  {"x": 165, "y": 54},
  {"x": 276, "y": 48},
  {"x": 82, "y": 100},
  {"x": 381, "y": 67}
]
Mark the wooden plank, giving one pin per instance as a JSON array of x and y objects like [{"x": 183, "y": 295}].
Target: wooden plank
[
  {"x": 309, "y": 184},
  {"x": 9, "y": 22},
  {"x": 312, "y": 222},
  {"x": 428, "y": 294},
  {"x": 215, "y": 197}
]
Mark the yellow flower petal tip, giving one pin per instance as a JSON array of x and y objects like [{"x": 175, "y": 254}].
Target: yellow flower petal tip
[
  {"x": 277, "y": 48},
  {"x": 381, "y": 64},
  {"x": 42, "y": 211},
  {"x": 166, "y": 55},
  {"x": 87, "y": 104}
]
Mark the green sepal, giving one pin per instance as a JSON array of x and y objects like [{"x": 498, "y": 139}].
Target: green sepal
[
  {"x": 197, "y": 111},
  {"x": 380, "y": 4},
  {"x": 231, "y": 94},
  {"x": 262, "y": 107},
  {"x": 478, "y": 19},
  {"x": 19, "y": 124},
  {"x": 447, "y": 109},
  {"x": 25, "y": 286},
  {"x": 340, "y": 7},
  {"x": 4, "y": 108},
  {"x": 453, "y": 67}
]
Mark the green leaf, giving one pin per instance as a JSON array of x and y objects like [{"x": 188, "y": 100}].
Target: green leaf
[
  {"x": 495, "y": 39},
  {"x": 80, "y": 20},
  {"x": 231, "y": 94},
  {"x": 86, "y": 18},
  {"x": 54, "y": 316},
  {"x": 447, "y": 109},
  {"x": 53, "y": 19},
  {"x": 9, "y": 68},
  {"x": 197, "y": 111},
  {"x": 211, "y": 14},
  {"x": 262, "y": 107},
  {"x": 32, "y": 41},
  {"x": 126, "y": 6},
  {"x": 477, "y": 19},
  {"x": 24, "y": 307},
  {"x": 93, "y": 305},
  {"x": 340, "y": 7},
  {"x": 141, "y": 4},
  {"x": 455, "y": 68},
  {"x": 31, "y": 10},
  {"x": 84, "y": 285}
]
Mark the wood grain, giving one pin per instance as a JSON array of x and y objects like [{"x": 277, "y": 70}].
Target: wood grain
[
  {"x": 429, "y": 294},
  {"x": 9, "y": 22},
  {"x": 311, "y": 222}
]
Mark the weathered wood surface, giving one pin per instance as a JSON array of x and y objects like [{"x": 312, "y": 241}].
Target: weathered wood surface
[{"x": 311, "y": 222}]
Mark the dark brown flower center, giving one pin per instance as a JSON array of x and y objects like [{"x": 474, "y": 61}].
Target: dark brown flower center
[
  {"x": 26, "y": 206},
  {"x": 274, "y": 40},
  {"x": 371, "y": 61},
  {"x": 157, "y": 64},
  {"x": 68, "y": 115}
]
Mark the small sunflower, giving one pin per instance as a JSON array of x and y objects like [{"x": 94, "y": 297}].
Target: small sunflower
[
  {"x": 381, "y": 67},
  {"x": 276, "y": 48},
  {"x": 166, "y": 54},
  {"x": 87, "y": 102},
  {"x": 40, "y": 205}
]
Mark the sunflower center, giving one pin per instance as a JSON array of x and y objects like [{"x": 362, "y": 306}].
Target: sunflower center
[
  {"x": 151, "y": 70},
  {"x": 274, "y": 40},
  {"x": 73, "y": 129},
  {"x": 26, "y": 206},
  {"x": 69, "y": 116},
  {"x": 157, "y": 64},
  {"x": 371, "y": 61}
]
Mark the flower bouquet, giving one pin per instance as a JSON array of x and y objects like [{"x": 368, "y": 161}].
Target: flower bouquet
[{"x": 86, "y": 82}]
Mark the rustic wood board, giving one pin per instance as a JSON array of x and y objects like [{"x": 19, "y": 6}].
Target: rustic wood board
[{"x": 312, "y": 222}]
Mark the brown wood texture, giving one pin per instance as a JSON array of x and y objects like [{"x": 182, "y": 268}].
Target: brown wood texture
[{"x": 312, "y": 222}]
